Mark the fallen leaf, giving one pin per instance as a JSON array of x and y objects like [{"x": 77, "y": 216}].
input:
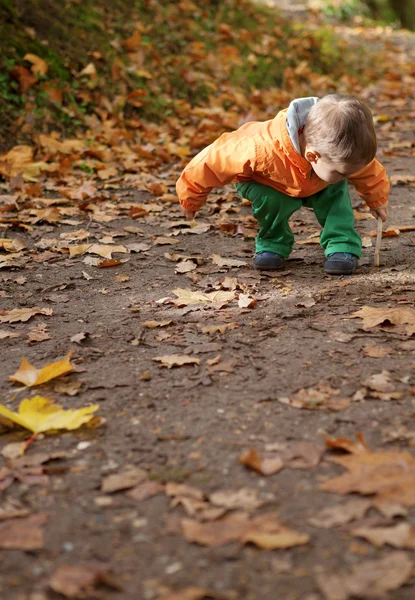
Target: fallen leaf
[
  {"x": 82, "y": 580},
  {"x": 186, "y": 266},
  {"x": 210, "y": 329},
  {"x": 403, "y": 318},
  {"x": 104, "y": 250},
  {"x": 70, "y": 388},
  {"x": 39, "y": 66},
  {"x": 165, "y": 241},
  {"x": 389, "y": 476},
  {"x": 266, "y": 531},
  {"x": 12, "y": 245},
  {"x": 129, "y": 478},
  {"x": 154, "y": 324},
  {"x": 297, "y": 455},
  {"x": 39, "y": 333},
  {"x": 8, "y": 334},
  {"x": 401, "y": 535},
  {"x": 145, "y": 490},
  {"x": 376, "y": 351},
  {"x": 23, "y": 534},
  {"x": 187, "y": 297},
  {"x": 79, "y": 337},
  {"x": 380, "y": 382},
  {"x": 39, "y": 414},
  {"x": 402, "y": 179},
  {"x": 341, "y": 514},
  {"x": 246, "y": 301},
  {"x": 389, "y": 232},
  {"x": 368, "y": 579},
  {"x": 226, "y": 262},
  {"x": 243, "y": 499},
  {"x": 29, "y": 376},
  {"x": 23, "y": 314},
  {"x": 228, "y": 529},
  {"x": 265, "y": 464},
  {"x": 323, "y": 397},
  {"x": 176, "y": 360}
]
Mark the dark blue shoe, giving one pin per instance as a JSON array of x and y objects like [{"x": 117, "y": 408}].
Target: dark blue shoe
[
  {"x": 268, "y": 261},
  {"x": 340, "y": 263}
]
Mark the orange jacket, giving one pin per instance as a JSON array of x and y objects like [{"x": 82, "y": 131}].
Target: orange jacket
[{"x": 263, "y": 152}]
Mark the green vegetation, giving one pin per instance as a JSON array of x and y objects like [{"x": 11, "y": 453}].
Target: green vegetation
[{"x": 149, "y": 60}]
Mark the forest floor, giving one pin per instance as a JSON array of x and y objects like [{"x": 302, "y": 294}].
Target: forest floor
[{"x": 228, "y": 465}]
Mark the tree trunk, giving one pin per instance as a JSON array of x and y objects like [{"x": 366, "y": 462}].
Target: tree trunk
[{"x": 405, "y": 9}]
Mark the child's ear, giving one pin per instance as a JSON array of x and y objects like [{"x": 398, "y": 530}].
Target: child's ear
[{"x": 312, "y": 156}]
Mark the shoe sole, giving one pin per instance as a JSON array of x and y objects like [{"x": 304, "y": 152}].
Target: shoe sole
[
  {"x": 269, "y": 268},
  {"x": 338, "y": 272}
]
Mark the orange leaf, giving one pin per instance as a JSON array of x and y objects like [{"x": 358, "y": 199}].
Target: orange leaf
[{"x": 29, "y": 376}]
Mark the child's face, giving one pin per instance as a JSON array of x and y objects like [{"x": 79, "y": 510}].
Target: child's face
[
  {"x": 328, "y": 170},
  {"x": 332, "y": 172}
]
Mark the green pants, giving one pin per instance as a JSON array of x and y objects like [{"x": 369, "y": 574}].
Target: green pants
[{"x": 272, "y": 209}]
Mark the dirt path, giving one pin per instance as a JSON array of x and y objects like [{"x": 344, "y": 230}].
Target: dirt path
[{"x": 247, "y": 389}]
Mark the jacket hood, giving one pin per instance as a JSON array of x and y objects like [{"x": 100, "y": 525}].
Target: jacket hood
[{"x": 297, "y": 113}]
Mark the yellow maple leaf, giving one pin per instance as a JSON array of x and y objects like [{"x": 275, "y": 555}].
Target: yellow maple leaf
[
  {"x": 39, "y": 414},
  {"x": 30, "y": 376}
]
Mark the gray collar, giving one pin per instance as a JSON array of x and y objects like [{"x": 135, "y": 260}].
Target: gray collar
[{"x": 296, "y": 117}]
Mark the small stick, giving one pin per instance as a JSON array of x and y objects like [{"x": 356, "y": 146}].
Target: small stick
[{"x": 378, "y": 242}]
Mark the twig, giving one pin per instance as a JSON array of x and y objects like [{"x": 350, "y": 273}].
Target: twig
[{"x": 378, "y": 242}]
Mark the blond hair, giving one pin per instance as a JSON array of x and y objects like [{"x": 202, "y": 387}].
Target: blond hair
[{"x": 340, "y": 128}]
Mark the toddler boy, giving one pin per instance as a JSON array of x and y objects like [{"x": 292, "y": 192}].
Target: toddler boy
[{"x": 304, "y": 156}]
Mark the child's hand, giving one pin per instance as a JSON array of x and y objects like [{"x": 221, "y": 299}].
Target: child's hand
[
  {"x": 189, "y": 214},
  {"x": 381, "y": 211}
]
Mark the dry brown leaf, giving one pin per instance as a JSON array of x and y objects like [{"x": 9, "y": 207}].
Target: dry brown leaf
[
  {"x": 246, "y": 301},
  {"x": 104, "y": 250},
  {"x": 312, "y": 239},
  {"x": 323, "y": 397},
  {"x": 266, "y": 464},
  {"x": 402, "y": 179},
  {"x": 129, "y": 478},
  {"x": 23, "y": 534},
  {"x": 8, "y": 334},
  {"x": 228, "y": 529},
  {"x": 226, "y": 262},
  {"x": 297, "y": 455},
  {"x": 186, "y": 266},
  {"x": 376, "y": 351},
  {"x": 403, "y": 318},
  {"x": 154, "y": 324},
  {"x": 68, "y": 388},
  {"x": 165, "y": 241},
  {"x": 187, "y": 297},
  {"x": 380, "y": 382},
  {"x": 81, "y": 581},
  {"x": 138, "y": 247},
  {"x": 23, "y": 314},
  {"x": 389, "y": 476},
  {"x": 266, "y": 531},
  {"x": 401, "y": 535},
  {"x": 341, "y": 514},
  {"x": 39, "y": 333},
  {"x": 12, "y": 245},
  {"x": 145, "y": 490},
  {"x": 368, "y": 579},
  {"x": 243, "y": 499},
  {"x": 176, "y": 360},
  {"x": 219, "y": 328}
]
